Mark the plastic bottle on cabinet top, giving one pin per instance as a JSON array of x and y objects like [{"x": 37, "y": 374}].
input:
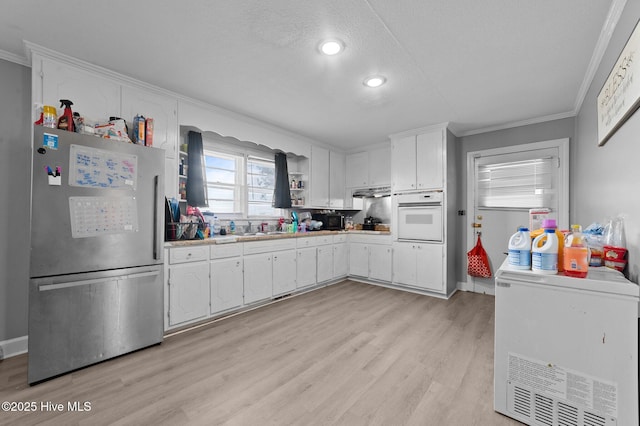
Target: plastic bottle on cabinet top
[
  {"x": 551, "y": 224},
  {"x": 576, "y": 254},
  {"x": 49, "y": 116},
  {"x": 544, "y": 256},
  {"x": 520, "y": 249}
]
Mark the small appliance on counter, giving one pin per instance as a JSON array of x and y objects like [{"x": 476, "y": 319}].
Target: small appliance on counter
[
  {"x": 370, "y": 223},
  {"x": 330, "y": 221}
]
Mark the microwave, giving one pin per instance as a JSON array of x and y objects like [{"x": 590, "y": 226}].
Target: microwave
[{"x": 330, "y": 221}]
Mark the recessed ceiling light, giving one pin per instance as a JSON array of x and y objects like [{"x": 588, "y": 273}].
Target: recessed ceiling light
[
  {"x": 374, "y": 81},
  {"x": 331, "y": 47}
]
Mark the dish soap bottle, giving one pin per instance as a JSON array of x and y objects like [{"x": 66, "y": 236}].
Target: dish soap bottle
[{"x": 576, "y": 254}]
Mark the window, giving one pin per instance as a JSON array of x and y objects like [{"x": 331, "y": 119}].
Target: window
[
  {"x": 517, "y": 184},
  {"x": 224, "y": 183},
  {"x": 240, "y": 184},
  {"x": 261, "y": 182}
]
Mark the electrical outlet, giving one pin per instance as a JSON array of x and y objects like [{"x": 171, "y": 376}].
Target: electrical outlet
[{"x": 461, "y": 212}]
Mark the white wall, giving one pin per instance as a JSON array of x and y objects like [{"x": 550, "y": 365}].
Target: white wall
[
  {"x": 15, "y": 175},
  {"x": 606, "y": 180}
]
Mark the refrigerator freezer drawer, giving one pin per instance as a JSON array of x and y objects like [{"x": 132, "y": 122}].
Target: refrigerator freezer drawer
[{"x": 81, "y": 319}]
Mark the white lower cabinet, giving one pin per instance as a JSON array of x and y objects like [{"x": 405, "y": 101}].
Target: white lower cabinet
[
  {"x": 226, "y": 284},
  {"x": 269, "y": 269},
  {"x": 284, "y": 272},
  {"x": 188, "y": 285},
  {"x": 419, "y": 265},
  {"x": 258, "y": 277},
  {"x": 325, "y": 263},
  {"x": 306, "y": 267},
  {"x": 380, "y": 262},
  {"x": 209, "y": 279},
  {"x": 359, "y": 259},
  {"x": 340, "y": 260}
]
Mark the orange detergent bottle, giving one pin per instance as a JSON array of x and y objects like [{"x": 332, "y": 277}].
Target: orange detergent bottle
[
  {"x": 576, "y": 254},
  {"x": 551, "y": 224}
]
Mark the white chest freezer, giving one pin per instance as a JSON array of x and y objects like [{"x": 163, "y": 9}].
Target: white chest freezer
[{"x": 566, "y": 349}]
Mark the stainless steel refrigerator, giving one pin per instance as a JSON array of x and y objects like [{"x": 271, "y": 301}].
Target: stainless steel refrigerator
[{"x": 96, "y": 274}]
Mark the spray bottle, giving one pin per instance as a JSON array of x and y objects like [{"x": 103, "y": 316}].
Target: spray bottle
[{"x": 65, "y": 122}]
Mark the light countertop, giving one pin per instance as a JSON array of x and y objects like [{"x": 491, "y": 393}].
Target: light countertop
[{"x": 223, "y": 239}]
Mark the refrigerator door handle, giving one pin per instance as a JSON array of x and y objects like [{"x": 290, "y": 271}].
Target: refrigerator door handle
[
  {"x": 47, "y": 287},
  {"x": 157, "y": 250}
]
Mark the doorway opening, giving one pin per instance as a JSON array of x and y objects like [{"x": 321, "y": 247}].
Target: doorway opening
[{"x": 502, "y": 185}]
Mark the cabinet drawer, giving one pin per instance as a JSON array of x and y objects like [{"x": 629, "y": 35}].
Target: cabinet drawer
[
  {"x": 340, "y": 238},
  {"x": 267, "y": 246},
  {"x": 226, "y": 250},
  {"x": 306, "y": 242},
  {"x": 188, "y": 254},
  {"x": 324, "y": 240}
]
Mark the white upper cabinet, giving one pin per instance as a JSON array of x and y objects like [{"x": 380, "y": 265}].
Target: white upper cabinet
[
  {"x": 162, "y": 108},
  {"x": 336, "y": 180},
  {"x": 369, "y": 168},
  {"x": 403, "y": 164},
  {"x": 93, "y": 96},
  {"x": 357, "y": 166},
  {"x": 319, "y": 177},
  {"x": 430, "y": 160},
  {"x": 327, "y": 178},
  {"x": 99, "y": 96},
  {"x": 380, "y": 166},
  {"x": 417, "y": 161}
]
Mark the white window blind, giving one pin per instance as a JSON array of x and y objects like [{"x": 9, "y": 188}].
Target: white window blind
[
  {"x": 517, "y": 184},
  {"x": 261, "y": 182},
  {"x": 224, "y": 182}
]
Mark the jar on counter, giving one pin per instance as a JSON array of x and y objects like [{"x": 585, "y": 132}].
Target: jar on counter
[{"x": 348, "y": 223}]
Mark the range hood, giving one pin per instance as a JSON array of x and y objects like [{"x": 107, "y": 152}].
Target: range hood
[{"x": 375, "y": 192}]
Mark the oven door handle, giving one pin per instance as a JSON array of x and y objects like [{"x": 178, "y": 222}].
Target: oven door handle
[{"x": 421, "y": 204}]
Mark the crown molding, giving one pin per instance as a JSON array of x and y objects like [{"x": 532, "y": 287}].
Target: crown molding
[
  {"x": 513, "y": 124},
  {"x": 610, "y": 23},
  {"x": 12, "y": 57},
  {"x": 420, "y": 130}
]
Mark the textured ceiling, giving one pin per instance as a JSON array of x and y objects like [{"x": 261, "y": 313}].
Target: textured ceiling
[{"x": 475, "y": 64}]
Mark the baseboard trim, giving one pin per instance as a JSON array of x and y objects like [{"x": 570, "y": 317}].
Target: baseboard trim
[
  {"x": 480, "y": 288},
  {"x": 13, "y": 347},
  {"x": 402, "y": 288},
  {"x": 464, "y": 286}
]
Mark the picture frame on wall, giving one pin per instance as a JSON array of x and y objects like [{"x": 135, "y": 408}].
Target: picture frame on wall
[{"x": 619, "y": 96}]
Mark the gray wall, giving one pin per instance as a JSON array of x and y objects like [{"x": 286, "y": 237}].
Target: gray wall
[
  {"x": 606, "y": 179},
  {"x": 549, "y": 130},
  {"x": 15, "y": 166}
]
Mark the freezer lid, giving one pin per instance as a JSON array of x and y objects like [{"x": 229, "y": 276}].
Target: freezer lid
[
  {"x": 104, "y": 214},
  {"x": 599, "y": 279}
]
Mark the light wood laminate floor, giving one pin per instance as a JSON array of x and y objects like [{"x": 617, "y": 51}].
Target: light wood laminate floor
[{"x": 348, "y": 354}]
